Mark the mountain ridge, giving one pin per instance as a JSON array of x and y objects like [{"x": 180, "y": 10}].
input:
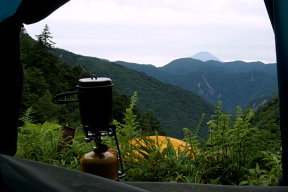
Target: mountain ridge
[
  {"x": 175, "y": 107},
  {"x": 235, "y": 83},
  {"x": 205, "y": 56}
]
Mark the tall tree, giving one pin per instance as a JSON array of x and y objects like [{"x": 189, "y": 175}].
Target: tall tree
[{"x": 45, "y": 38}]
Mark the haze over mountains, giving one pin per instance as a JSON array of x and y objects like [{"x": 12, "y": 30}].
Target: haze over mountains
[
  {"x": 170, "y": 90},
  {"x": 205, "y": 56},
  {"x": 176, "y": 108},
  {"x": 234, "y": 83}
]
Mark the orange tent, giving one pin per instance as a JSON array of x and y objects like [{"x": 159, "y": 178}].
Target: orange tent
[{"x": 161, "y": 143}]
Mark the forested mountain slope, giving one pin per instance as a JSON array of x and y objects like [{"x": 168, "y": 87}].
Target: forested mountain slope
[
  {"x": 233, "y": 83},
  {"x": 175, "y": 107},
  {"x": 45, "y": 75}
]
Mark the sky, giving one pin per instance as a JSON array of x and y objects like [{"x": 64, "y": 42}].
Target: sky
[{"x": 159, "y": 31}]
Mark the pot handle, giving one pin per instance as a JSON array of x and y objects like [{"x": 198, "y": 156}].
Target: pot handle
[{"x": 61, "y": 97}]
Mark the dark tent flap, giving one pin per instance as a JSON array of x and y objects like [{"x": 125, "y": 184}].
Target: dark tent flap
[
  {"x": 32, "y": 11},
  {"x": 29, "y": 11},
  {"x": 8, "y": 8},
  {"x": 15, "y": 13},
  {"x": 270, "y": 6},
  {"x": 278, "y": 14},
  {"x": 26, "y": 175},
  {"x": 194, "y": 187}
]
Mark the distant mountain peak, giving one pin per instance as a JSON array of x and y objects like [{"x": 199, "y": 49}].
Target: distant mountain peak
[{"x": 205, "y": 56}]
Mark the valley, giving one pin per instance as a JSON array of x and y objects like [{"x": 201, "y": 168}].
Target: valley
[{"x": 234, "y": 83}]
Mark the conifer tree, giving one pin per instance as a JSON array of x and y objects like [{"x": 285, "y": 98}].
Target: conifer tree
[{"x": 45, "y": 38}]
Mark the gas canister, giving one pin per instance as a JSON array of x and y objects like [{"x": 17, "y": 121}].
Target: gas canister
[{"x": 104, "y": 164}]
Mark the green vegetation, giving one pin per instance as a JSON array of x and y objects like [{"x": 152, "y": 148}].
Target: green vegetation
[
  {"x": 173, "y": 106},
  {"x": 236, "y": 152},
  {"x": 240, "y": 149},
  {"x": 41, "y": 143},
  {"x": 45, "y": 75},
  {"x": 234, "y": 83}
]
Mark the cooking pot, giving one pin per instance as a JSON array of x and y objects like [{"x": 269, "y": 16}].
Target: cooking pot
[{"x": 95, "y": 102}]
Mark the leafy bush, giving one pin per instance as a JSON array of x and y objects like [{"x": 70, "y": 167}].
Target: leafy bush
[
  {"x": 267, "y": 175},
  {"x": 236, "y": 152},
  {"x": 45, "y": 143}
]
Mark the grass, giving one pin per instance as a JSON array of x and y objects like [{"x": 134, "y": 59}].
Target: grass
[{"x": 234, "y": 154}]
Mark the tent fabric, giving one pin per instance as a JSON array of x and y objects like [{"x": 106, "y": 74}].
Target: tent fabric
[
  {"x": 8, "y": 8},
  {"x": 32, "y": 11},
  {"x": 16, "y": 13},
  {"x": 162, "y": 142},
  {"x": 278, "y": 14},
  {"x": 20, "y": 175},
  {"x": 24, "y": 175},
  {"x": 269, "y": 7},
  {"x": 193, "y": 187},
  {"x": 29, "y": 11},
  {"x": 11, "y": 89}
]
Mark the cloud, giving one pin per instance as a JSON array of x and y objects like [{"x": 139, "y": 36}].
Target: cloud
[
  {"x": 161, "y": 12},
  {"x": 163, "y": 29}
]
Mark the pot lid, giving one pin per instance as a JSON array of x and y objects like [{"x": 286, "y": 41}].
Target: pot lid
[{"x": 95, "y": 81}]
